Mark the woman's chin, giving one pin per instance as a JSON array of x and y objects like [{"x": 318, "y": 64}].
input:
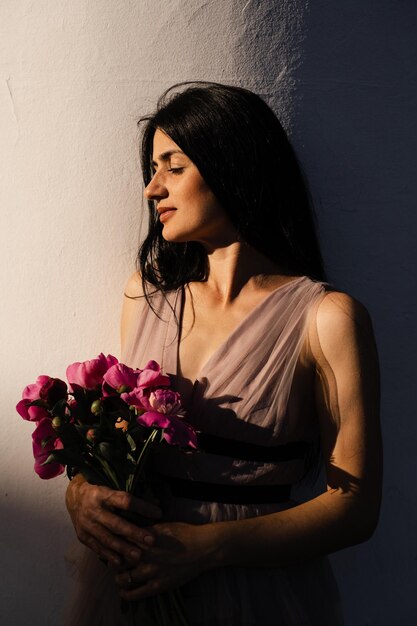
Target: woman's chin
[{"x": 174, "y": 237}]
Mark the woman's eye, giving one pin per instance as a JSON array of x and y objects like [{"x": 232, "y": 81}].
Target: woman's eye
[{"x": 175, "y": 170}]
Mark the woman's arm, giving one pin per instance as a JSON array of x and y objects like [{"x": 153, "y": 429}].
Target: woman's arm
[{"x": 347, "y": 399}]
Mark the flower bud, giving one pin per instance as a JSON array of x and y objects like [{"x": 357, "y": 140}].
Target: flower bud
[
  {"x": 56, "y": 422},
  {"x": 97, "y": 407},
  {"x": 91, "y": 434}
]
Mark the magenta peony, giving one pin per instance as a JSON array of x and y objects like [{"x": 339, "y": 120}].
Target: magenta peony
[
  {"x": 31, "y": 393},
  {"x": 119, "y": 378},
  {"x": 151, "y": 376},
  {"x": 53, "y": 391},
  {"x": 165, "y": 401},
  {"x": 89, "y": 374},
  {"x": 45, "y": 441},
  {"x": 176, "y": 431},
  {"x": 148, "y": 380},
  {"x": 137, "y": 398}
]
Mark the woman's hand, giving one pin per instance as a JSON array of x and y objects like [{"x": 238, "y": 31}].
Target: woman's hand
[
  {"x": 97, "y": 525},
  {"x": 180, "y": 553}
]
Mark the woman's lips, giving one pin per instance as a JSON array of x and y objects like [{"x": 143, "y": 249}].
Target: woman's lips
[{"x": 164, "y": 214}]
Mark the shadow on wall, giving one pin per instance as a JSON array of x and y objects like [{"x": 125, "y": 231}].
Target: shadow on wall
[
  {"x": 356, "y": 135},
  {"x": 33, "y": 545},
  {"x": 351, "y": 71}
]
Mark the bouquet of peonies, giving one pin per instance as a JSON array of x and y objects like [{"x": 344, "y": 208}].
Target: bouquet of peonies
[{"x": 104, "y": 424}]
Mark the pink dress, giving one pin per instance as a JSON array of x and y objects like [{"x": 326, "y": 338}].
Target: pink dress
[{"x": 239, "y": 401}]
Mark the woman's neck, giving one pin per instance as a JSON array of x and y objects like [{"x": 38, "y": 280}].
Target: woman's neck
[{"x": 238, "y": 267}]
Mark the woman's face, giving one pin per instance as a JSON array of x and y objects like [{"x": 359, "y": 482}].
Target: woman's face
[{"x": 188, "y": 209}]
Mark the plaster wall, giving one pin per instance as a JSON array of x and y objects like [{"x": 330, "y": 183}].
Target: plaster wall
[{"x": 74, "y": 78}]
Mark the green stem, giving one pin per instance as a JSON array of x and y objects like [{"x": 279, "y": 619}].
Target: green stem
[
  {"x": 102, "y": 476},
  {"x": 143, "y": 456},
  {"x": 108, "y": 472}
]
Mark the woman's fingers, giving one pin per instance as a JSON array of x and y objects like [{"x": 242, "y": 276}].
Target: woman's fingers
[
  {"x": 140, "y": 582},
  {"x": 135, "y": 576},
  {"x": 98, "y": 525},
  {"x": 92, "y": 532},
  {"x": 127, "y": 502},
  {"x": 117, "y": 541},
  {"x": 135, "y": 534},
  {"x": 113, "y": 559},
  {"x": 150, "y": 588},
  {"x": 108, "y": 534},
  {"x": 177, "y": 556}
]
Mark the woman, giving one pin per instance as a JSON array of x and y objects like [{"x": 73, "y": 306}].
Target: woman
[{"x": 269, "y": 361}]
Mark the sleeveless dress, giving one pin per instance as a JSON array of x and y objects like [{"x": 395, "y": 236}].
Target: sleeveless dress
[{"x": 240, "y": 396}]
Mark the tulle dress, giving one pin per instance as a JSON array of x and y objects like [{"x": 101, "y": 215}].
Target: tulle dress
[{"x": 249, "y": 446}]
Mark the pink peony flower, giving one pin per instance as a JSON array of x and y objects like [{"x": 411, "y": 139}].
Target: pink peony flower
[
  {"x": 148, "y": 380},
  {"x": 31, "y": 393},
  {"x": 137, "y": 397},
  {"x": 176, "y": 431},
  {"x": 53, "y": 391},
  {"x": 151, "y": 376},
  {"x": 89, "y": 374},
  {"x": 119, "y": 377},
  {"x": 165, "y": 401},
  {"x": 44, "y": 432}
]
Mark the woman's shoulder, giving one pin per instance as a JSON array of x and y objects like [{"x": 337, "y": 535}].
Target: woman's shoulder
[
  {"x": 134, "y": 304},
  {"x": 142, "y": 301},
  {"x": 338, "y": 307},
  {"x": 340, "y": 323},
  {"x": 140, "y": 296},
  {"x": 134, "y": 287}
]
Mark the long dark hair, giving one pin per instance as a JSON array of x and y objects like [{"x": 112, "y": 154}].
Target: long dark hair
[{"x": 245, "y": 157}]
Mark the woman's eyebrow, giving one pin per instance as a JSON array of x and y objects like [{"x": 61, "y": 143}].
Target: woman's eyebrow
[{"x": 165, "y": 156}]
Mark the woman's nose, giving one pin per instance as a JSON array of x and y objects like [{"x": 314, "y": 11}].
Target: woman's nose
[{"x": 155, "y": 189}]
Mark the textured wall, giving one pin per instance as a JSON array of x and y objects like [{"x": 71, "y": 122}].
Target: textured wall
[
  {"x": 356, "y": 127},
  {"x": 74, "y": 78}
]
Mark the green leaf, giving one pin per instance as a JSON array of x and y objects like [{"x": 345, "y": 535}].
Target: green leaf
[
  {"x": 59, "y": 456},
  {"x": 45, "y": 441},
  {"x": 131, "y": 442},
  {"x": 105, "y": 450},
  {"x": 59, "y": 407}
]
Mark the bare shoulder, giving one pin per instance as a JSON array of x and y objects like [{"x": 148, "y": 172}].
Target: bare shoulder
[
  {"x": 134, "y": 288},
  {"x": 133, "y": 305},
  {"x": 341, "y": 323},
  {"x": 338, "y": 310}
]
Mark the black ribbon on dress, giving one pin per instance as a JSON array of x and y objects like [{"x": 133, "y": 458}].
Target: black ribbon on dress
[
  {"x": 227, "y": 494},
  {"x": 213, "y": 444},
  {"x": 232, "y": 493}
]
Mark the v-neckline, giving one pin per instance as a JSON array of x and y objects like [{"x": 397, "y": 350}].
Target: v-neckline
[{"x": 244, "y": 321}]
